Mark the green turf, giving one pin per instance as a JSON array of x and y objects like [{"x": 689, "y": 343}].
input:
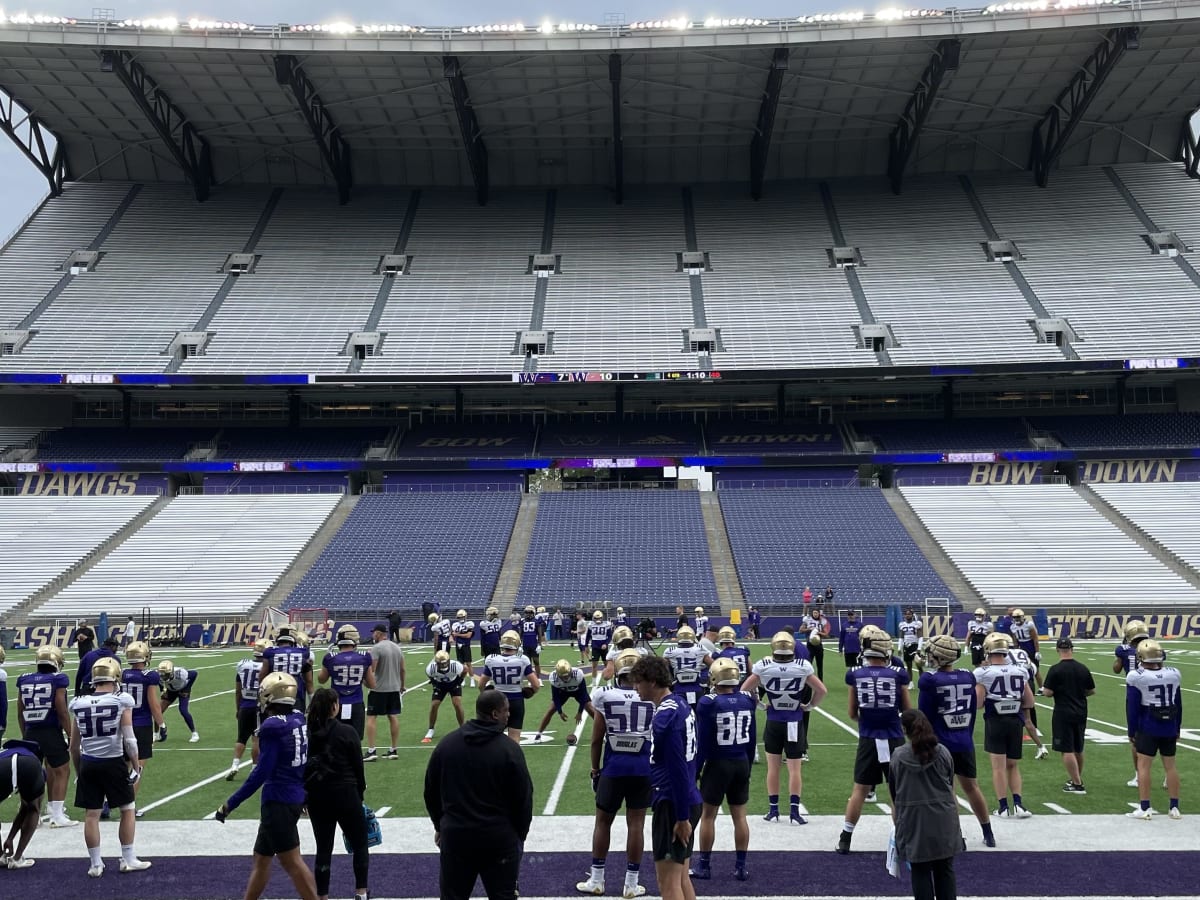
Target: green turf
[{"x": 178, "y": 765}]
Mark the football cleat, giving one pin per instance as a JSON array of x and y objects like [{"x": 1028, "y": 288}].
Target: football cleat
[
  {"x": 48, "y": 655},
  {"x": 724, "y": 673},
  {"x": 1072, "y": 788},
  {"x": 138, "y": 865},
  {"x": 232, "y": 773},
  {"x": 62, "y": 822},
  {"x": 740, "y": 873},
  {"x": 1150, "y": 652},
  {"x": 989, "y": 840},
  {"x": 195, "y": 738},
  {"x": 1132, "y": 782},
  {"x": 1144, "y": 815},
  {"x": 370, "y": 756},
  {"x": 348, "y": 636},
  {"x": 942, "y": 650},
  {"x": 594, "y": 888},
  {"x": 701, "y": 872},
  {"x": 106, "y": 669},
  {"x": 1005, "y": 813},
  {"x": 871, "y": 797},
  {"x": 783, "y": 645},
  {"x": 1020, "y": 812},
  {"x": 20, "y": 862},
  {"x": 1174, "y": 814},
  {"x": 278, "y": 687},
  {"x": 633, "y": 891},
  {"x": 96, "y": 871}
]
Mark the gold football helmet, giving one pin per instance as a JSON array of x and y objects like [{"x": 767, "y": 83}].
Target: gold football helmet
[
  {"x": 2, "y": 654},
  {"x": 166, "y": 670},
  {"x": 1150, "y": 652},
  {"x": 49, "y": 655},
  {"x": 980, "y": 614},
  {"x": 597, "y": 616},
  {"x": 562, "y": 668},
  {"x": 625, "y": 661},
  {"x": 261, "y": 646},
  {"x": 685, "y": 637},
  {"x": 1018, "y": 616},
  {"x": 699, "y": 610},
  {"x": 510, "y": 642},
  {"x": 623, "y": 634},
  {"x": 540, "y": 610},
  {"x": 285, "y": 635},
  {"x": 460, "y": 615},
  {"x": 529, "y": 610},
  {"x": 433, "y": 618},
  {"x": 107, "y": 668},
  {"x": 783, "y": 645},
  {"x": 137, "y": 652},
  {"x": 348, "y": 636},
  {"x": 996, "y": 643},
  {"x": 876, "y": 643},
  {"x": 942, "y": 650},
  {"x": 724, "y": 673},
  {"x": 493, "y": 614},
  {"x": 1135, "y": 630},
  {"x": 726, "y": 636},
  {"x": 442, "y": 660},
  {"x": 277, "y": 688}
]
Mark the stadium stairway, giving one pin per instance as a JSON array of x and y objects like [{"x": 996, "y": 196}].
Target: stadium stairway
[
  {"x": 1139, "y": 536},
  {"x": 942, "y": 564},
  {"x": 725, "y": 574},
  {"x": 508, "y": 581},
  {"x": 20, "y": 612},
  {"x": 292, "y": 576}
]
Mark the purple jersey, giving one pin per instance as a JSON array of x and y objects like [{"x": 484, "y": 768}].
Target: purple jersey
[
  {"x": 282, "y": 754},
  {"x": 949, "y": 702},
  {"x": 530, "y": 632},
  {"x": 878, "y": 691},
  {"x": 249, "y": 674},
  {"x": 1127, "y": 654},
  {"x": 673, "y": 757},
  {"x": 725, "y": 727},
  {"x": 489, "y": 636},
  {"x": 1154, "y": 702},
  {"x": 784, "y": 682},
  {"x": 137, "y": 683},
  {"x": 1004, "y": 687},
  {"x": 346, "y": 673},
  {"x": 37, "y": 691},
  {"x": 740, "y": 657},
  {"x": 626, "y": 731},
  {"x": 290, "y": 661}
]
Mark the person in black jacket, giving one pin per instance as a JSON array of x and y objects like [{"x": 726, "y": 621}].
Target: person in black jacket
[
  {"x": 394, "y": 622},
  {"x": 480, "y": 797},
  {"x": 334, "y": 783}
]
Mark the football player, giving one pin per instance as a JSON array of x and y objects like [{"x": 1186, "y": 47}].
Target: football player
[
  {"x": 104, "y": 752},
  {"x": 446, "y": 678},
  {"x": 581, "y": 637},
  {"x": 878, "y": 694},
  {"x": 1025, "y": 636},
  {"x": 543, "y": 620},
  {"x": 978, "y": 629},
  {"x": 911, "y": 630},
  {"x": 350, "y": 670},
  {"x": 1002, "y": 689},
  {"x": 849, "y": 644},
  {"x": 599, "y": 637},
  {"x": 620, "y": 618},
  {"x": 1135, "y": 632},
  {"x": 700, "y": 620},
  {"x": 291, "y": 656},
  {"x": 725, "y": 742},
  {"x": 815, "y": 628},
  {"x": 143, "y": 686},
  {"x": 1018, "y": 657},
  {"x": 622, "y": 640},
  {"x": 489, "y": 633},
  {"x": 247, "y": 677},
  {"x": 462, "y": 630},
  {"x": 282, "y": 754},
  {"x": 43, "y": 717},
  {"x": 621, "y": 734},
  {"x": 689, "y": 665},
  {"x": 532, "y": 637},
  {"x": 511, "y": 672},
  {"x": 440, "y": 629},
  {"x": 729, "y": 649},
  {"x": 784, "y": 678},
  {"x": 754, "y": 617},
  {"x": 83, "y": 675},
  {"x": 567, "y": 682},
  {"x": 177, "y": 683},
  {"x": 3, "y": 695},
  {"x": 947, "y": 697},
  {"x": 25, "y": 777},
  {"x": 1154, "y": 710}
]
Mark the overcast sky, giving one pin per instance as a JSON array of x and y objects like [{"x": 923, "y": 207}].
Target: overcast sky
[{"x": 22, "y": 186}]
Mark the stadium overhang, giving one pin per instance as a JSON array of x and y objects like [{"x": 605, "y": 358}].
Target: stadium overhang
[{"x": 543, "y": 97}]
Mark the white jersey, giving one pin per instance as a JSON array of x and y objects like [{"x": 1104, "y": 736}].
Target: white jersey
[
  {"x": 441, "y": 629},
  {"x": 1023, "y": 633},
  {"x": 627, "y": 731},
  {"x": 462, "y": 630},
  {"x": 98, "y": 719},
  {"x": 599, "y": 632},
  {"x": 977, "y": 631},
  {"x": 571, "y": 683},
  {"x": 910, "y": 632},
  {"x": 453, "y": 672},
  {"x": 784, "y": 682},
  {"x": 701, "y": 624},
  {"x": 1018, "y": 657},
  {"x": 178, "y": 680},
  {"x": 249, "y": 672},
  {"x": 687, "y": 663},
  {"x": 506, "y": 672},
  {"x": 1004, "y": 688},
  {"x": 614, "y": 652}
]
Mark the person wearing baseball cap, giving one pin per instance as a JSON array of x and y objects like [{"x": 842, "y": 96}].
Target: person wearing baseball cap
[{"x": 1069, "y": 682}]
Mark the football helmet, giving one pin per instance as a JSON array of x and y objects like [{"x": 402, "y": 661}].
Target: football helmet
[
  {"x": 996, "y": 643},
  {"x": 620, "y": 610},
  {"x": 724, "y": 673},
  {"x": 876, "y": 643},
  {"x": 980, "y": 614},
  {"x": 49, "y": 655},
  {"x": 510, "y": 642},
  {"x": 140, "y": 652},
  {"x": 562, "y": 668},
  {"x": 1018, "y": 616},
  {"x": 540, "y": 610},
  {"x": 277, "y": 688},
  {"x": 347, "y": 636},
  {"x": 942, "y": 650},
  {"x": 2, "y": 654},
  {"x": 625, "y": 661},
  {"x": 285, "y": 635},
  {"x": 261, "y": 646},
  {"x": 1150, "y": 651},
  {"x": 1135, "y": 630},
  {"x": 726, "y": 636},
  {"x": 166, "y": 671},
  {"x": 460, "y": 615},
  {"x": 699, "y": 610},
  {"x": 597, "y": 616},
  {"x": 492, "y": 613},
  {"x": 685, "y": 637},
  {"x": 783, "y": 645},
  {"x": 107, "y": 668},
  {"x": 529, "y": 611},
  {"x": 433, "y": 618},
  {"x": 442, "y": 660},
  {"x": 622, "y": 634}
]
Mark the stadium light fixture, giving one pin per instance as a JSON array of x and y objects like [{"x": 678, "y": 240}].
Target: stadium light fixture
[
  {"x": 739, "y": 22},
  {"x": 679, "y": 23},
  {"x": 1020, "y": 6},
  {"x": 894, "y": 14},
  {"x": 832, "y": 18},
  {"x": 503, "y": 28}
]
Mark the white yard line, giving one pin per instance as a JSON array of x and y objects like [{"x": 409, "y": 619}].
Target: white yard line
[
  {"x": 382, "y": 811},
  {"x": 1056, "y": 808},
  {"x": 836, "y": 721},
  {"x": 560, "y": 780},
  {"x": 194, "y": 787}
]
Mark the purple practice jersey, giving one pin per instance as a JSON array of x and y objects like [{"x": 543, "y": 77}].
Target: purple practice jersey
[
  {"x": 725, "y": 727},
  {"x": 346, "y": 673},
  {"x": 137, "y": 683},
  {"x": 530, "y": 630},
  {"x": 673, "y": 757},
  {"x": 1154, "y": 702},
  {"x": 290, "y": 661},
  {"x": 37, "y": 690},
  {"x": 489, "y": 636},
  {"x": 1127, "y": 654},
  {"x": 282, "y": 753},
  {"x": 627, "y": 733},
  {"x": 949, "y": 702},
  {"x": 1004, "y": 686},
  {"x": 740, "y": 657},
  {"x": 784, "y": 683},
  {"x": 878, "y": 691}
]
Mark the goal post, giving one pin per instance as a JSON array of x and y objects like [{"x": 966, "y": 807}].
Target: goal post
[{"x": 313, "y": 621}]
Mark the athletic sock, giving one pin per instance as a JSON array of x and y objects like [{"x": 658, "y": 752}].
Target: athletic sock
[
  {"x": 740, "y": 861},
  {"x": 127, "y": 853},
  {"x": 429, "y": 733},
  {"x": 987, "y": 831},
  {"x": 94, "y": 856},
  {"x": 705, "y": 858},
  {"x": 236, "y": 762},
  {"x": 56, "y": 809},
  {"x": 1003, "y": 805},
  {"x": 773, "y": 801},
  {"x": 795, "y": 801},
  {"x": 598, "y": 869},
  {"x": 1174, "y": 803},
  {"x": 1017, "y": 800},
  {"x": 1145, "y": 804}
]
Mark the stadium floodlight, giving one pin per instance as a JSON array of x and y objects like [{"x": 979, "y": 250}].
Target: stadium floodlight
[
  {"x": 894, "y": 14},
  {"x": 213, "y": 25},
  {"x": 164, "y": 24},
  {"x": 1076, "y": 4},
  {"x": 502, "y": 28},
  {"x": 738, "y": 22},
  {"x": 679, "y": 23},
  {"x": 1020, "y": 6},
  {"x": 391, "y": 28},
  {"x": 841, "y": 18}
]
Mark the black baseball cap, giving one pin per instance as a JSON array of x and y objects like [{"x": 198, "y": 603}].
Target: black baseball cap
[{"x": 1064, "y": 643}]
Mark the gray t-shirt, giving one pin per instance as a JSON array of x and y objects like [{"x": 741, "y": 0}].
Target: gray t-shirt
[{"x": 388, "y": 660}]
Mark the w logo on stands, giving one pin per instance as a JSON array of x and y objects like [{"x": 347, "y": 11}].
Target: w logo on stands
[
  {"x": 657, "y": 439},
  {"x": 577, "y": 440}
]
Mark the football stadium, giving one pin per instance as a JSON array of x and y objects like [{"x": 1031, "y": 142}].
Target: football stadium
[{"x": 691, "y": 326}]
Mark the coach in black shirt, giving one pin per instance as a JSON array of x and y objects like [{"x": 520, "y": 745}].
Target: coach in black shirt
[{"x": 1070, "y": 683}]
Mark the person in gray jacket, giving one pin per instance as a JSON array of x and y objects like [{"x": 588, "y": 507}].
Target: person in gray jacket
[{"x": 927, "y": 829}]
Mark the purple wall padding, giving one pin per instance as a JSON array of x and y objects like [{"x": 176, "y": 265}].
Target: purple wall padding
[{"x": 594, "y": 439}]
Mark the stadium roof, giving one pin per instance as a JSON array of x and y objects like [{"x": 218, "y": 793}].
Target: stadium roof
[{"x": 691, "y": 95}]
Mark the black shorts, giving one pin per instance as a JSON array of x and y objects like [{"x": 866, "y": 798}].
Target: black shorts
[
  {"x": 851, "y": 659},
  {"x": 53, "y": 744},
  {"x": 1149, "y": 745},
  {"x": 977, "y": 656},
  {"x": 535, "y": 658},
  {"x": 463, "y": 655},
  {"x": 383, "y": 703},
  {"x": 662, "y": 832},
  {"x": 103, "y": 779},
  {"x": 599, "y": 654},
  {"x": 1067, "y": 735},
  {"x": 1002, "y": 736},
  {"x": 31, "y": 779},
  {"x": 964, "y": 763},
  {"x": 775, "y": 739},
  {"x": 277, "y": 831},
  {"x": 358, "y": 718},
  {"x": 248, "y": 721},
  {"x": 441, "y": 692},
  {"x": 867, "y": 767},
  {"x": 145, "y": 741},
  {"x": 485, "y": 652},
  {"x": 516, "y": 710},
  {"x": 910, "y": 651},
  {"x": 632, "y": 790},
  {"x": 726, "y": 779}
]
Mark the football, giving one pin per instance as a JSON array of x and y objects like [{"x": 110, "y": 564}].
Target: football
[{"x": 572, "y": 740}]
